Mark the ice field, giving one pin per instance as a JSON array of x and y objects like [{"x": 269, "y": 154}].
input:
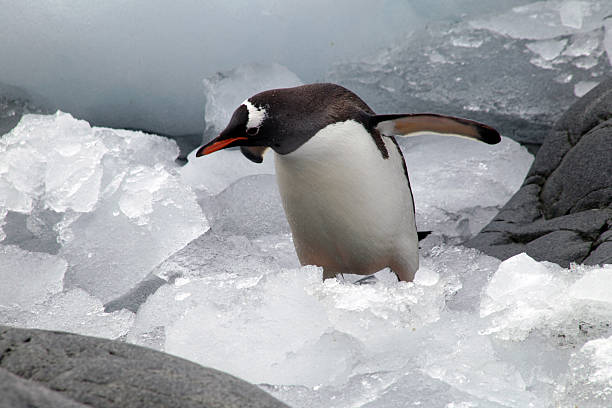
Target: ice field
[
  {"x": 470, "y": 331},
  {"x": 87, "y": 213}
]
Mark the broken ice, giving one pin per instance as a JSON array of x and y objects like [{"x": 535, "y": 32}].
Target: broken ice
[
  {"x": 525, "y": 295},
  {"x": 27, "y": 277},
  {"x": 439, "y": 164},
  {"x": 76, "y": 311},
  {"x": 122, "y": 207},
  {"x": 213, "y": 173},
  {"x": 471, "y": 331}
]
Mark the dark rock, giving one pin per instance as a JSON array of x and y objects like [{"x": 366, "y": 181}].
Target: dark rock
[
  {"x": 136, "y": 296},
  {"x": 15, "y": 392},
  {"x": 563, "y": 211},
  {"x": 41, "y": 369}
]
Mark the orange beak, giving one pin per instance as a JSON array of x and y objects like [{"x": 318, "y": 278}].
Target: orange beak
[{"x": 215, "y": 145}]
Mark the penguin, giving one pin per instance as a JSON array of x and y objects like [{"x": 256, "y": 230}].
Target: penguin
[{"x": 342, "y": 177}]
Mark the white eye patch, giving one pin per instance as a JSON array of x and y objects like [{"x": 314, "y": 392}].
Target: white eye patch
[{"x": 256, "y": 115}]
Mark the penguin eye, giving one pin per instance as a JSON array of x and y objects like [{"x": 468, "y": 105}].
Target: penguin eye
[{"x": 252, "y": 131}]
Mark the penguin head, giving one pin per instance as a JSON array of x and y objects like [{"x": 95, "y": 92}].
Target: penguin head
[
  {"x": 245, "y": 129},
  {"x": 284, "y": 119}
]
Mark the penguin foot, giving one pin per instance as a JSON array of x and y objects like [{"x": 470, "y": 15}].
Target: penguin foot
[{"x": 368, "y": 280}]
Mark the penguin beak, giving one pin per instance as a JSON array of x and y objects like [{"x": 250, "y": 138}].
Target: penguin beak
[{"x": 218, "y": 143}]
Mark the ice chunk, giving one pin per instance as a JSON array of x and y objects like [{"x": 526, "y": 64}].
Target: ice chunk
[
  {"x": 590, "y": 379},
  {"x": 76, "y": 311},
  {"x": 439, "y": 168},
  {"x": 469, "y": 363},
  {"x": 548, "y": 49},
  {"x": 525, "y": 295},
  {"x": 471, "y": 268},
  {"x": 572, "y": 13},
  {"x": 215, "y": 172},
  {"x": 251, "y": 207},
  {"x": 225, "y": 91},
  {"x": 211, "y": 254},
  {"x": 122, "y": 207},
  {"x": 152, "y": 213},
  {"x": 582, "y": 87},
  {"x": 583, "y": 45},
  {"x": 27, "y": 278},
  {"x": 339, "y": 322}
]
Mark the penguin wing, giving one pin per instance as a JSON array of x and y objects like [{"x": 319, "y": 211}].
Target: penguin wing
[{"x": 407, "y": 124}]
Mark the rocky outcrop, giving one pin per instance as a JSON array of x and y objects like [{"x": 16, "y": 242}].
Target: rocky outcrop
[
  {"x": 51, "y": 369},
  {"x": 563, "y": 211}
]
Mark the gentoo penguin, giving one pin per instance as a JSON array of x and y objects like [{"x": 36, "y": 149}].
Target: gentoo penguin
[{"x": 341, "y": 174}]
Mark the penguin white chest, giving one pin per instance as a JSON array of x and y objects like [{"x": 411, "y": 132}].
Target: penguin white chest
[{"x": 349, "y": 208}]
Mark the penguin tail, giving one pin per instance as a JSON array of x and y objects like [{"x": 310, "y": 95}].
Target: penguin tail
[
  {"x": 410, "y": 124},
  {"x": 423, "y": 234}
]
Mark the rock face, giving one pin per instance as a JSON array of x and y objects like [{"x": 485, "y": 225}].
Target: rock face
[
  {"x": 563, "y": 211},
  {"x": 43, "y": 369}
]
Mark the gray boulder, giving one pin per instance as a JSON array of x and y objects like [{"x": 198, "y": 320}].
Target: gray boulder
[
  {"x": 563, "y": 211},
  {"x": 51, "y": 369}
]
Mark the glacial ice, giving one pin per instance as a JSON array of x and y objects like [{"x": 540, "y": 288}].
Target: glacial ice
[
  {"x": 251, "y": 207},
  {"x": 213, "y": 173},
  {"x": 118, "y": 205},
  {"x": 44, "y": 274},
  {"x": 31, "y": 295},
  {"x": 440, "y": 163},
  {"x": 550, "y": 297},
  {"x": 386, "y": 344},
  {"x": 76, "y": 311},
  {"x": 589, "y": 383}
]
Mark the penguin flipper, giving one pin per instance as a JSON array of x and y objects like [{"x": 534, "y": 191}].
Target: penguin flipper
[{"x": 410, "y": 124}]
